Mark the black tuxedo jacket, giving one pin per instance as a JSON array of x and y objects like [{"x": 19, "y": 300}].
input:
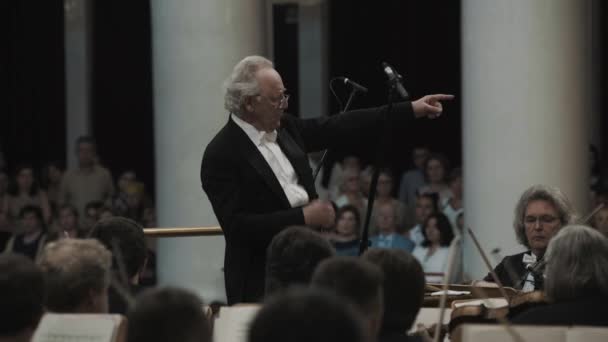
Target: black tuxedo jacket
[{"x": 248, "y": 200}]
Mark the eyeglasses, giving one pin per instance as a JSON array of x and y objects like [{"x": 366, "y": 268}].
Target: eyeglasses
[
  {"x": 277, "y": 103},
  {"x": 544, "y": 219}
]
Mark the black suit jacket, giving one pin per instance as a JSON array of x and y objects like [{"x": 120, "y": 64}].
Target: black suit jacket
[{"x": 248, "y": 200}]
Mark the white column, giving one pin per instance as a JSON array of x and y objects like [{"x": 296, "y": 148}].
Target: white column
[
  {"x": 77, "y": 26},
  {"x": 195, "y": 45},
  {"x": 525, "y": 111}
]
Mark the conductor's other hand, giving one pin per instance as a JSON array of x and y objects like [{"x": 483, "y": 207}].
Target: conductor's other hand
[
  {"x": 430, "y": 105},
  {"x": 319, "y": 213}
]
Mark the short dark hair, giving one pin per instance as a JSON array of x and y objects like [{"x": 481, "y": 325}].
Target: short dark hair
[
  {"x": 22, "y": 294},
  {"x": 445, "y": 230},
  {"x": 71, "y": 208},
  {"x": 125, "y": 235},
  {"x": 36, "y": 211},
  {"x": 403, "y": 287},
  {"x": 441, "y": 159},
  {"x": 13, "y": 188},
  {"x": 433, "y": 197},
  {"x": 305, "y": 315},
  {"x": 350, "y": 209},
  {"x": 168, "y": 314},
  {"x": 292, "y": 257},
  {"x": 98, "y": 205},
  {"x": 86, "y": 139},
  {"x": 355, "y": 279}
]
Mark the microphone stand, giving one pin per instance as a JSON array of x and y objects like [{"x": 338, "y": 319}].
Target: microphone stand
[
  {"x": 324, "y": 155},
  {"x": 364, "y": 245}
]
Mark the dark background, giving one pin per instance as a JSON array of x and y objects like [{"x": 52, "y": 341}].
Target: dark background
[{"x": 421, "y": 39}]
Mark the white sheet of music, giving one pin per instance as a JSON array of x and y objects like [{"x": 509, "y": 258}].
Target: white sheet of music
[
  {"x": 77, "y": 328},
  {"x": 233, "y": 323}
]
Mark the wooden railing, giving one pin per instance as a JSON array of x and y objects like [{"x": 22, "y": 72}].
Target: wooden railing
[{"x": 181, "y": 231}]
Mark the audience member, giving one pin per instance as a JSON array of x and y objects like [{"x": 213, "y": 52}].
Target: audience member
[
  {"x": 576, "y": 280},
  {"x": 30, "y": 237},
  {"x": 600, "y": 221},
  {"x": 125, "y": 239},
  {"x": 454, "y": 205},
  {"x": 77, "y": 275},
  {"x": 292, "y": 257},
  {"x": 346, "y": 237},
  {"x": 386, "y": 222},
  {"x": 350, "y": 192},
  {"x": 384, "y": 195},
  {"x": 166, "y": 315},
  {"x": 52, "y": 176},
  {"x": 89, "y": 182},
  {"x": 433, "y": 253},
  {"x": 25, "y": 191},
  {"x": 426, "y": 204},
  {"x": 92, "y": 214},
  {"x": 540, "y": 213},
  {"x": 436, "y": 168},
  {"x": 403, "y": 292},
  {"x": 336, "y": 178},
  {"x": 413, "y": 179},
  {"x": 365, "y": 180},
  {"x": 306, "y": 315},
  {"x": 67, "y": 224},
  {"x": 356, "y": 280},
  {"x": 22, "y": 295}
]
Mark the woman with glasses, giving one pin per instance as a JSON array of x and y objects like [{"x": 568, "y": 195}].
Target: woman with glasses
[{"x": 540, "y": 213}]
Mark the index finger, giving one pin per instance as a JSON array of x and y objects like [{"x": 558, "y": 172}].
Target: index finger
[{"x": 442, "y": 97}]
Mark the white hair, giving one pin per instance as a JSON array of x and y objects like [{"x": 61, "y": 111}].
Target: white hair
[{"x": 242, "y": 82}]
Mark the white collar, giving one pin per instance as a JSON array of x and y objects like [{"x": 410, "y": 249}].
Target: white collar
[{"x": 257, "y": 137}]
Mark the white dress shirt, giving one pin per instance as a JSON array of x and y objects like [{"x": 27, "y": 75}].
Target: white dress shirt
[{"x": 266, "y": 143}]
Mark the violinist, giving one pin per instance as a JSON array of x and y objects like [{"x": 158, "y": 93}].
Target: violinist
[
  {"x": 540, "y": 213},
  {"x": 576, "y": 281}
]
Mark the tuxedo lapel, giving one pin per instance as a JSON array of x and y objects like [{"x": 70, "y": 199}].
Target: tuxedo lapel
[
  {"x": 298, "y": 160},
  {"x": 251, "y": 153}
]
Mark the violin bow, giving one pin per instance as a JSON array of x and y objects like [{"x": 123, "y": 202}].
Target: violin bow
[
  {"x": 487, "y": 262},
  {"x": 454, "y": 248},
  {"x": 587, "y": 218}
]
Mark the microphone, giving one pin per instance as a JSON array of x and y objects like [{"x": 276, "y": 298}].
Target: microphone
[
  {"x": 395, "y": 78},
  {"x": 356, "y": 86}
]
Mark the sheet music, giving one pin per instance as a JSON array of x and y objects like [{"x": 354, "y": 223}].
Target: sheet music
[
  {"x": 233, "y": 323},
  {"x": 490, "y": 303},
  {"x": 77, "y": 328}
]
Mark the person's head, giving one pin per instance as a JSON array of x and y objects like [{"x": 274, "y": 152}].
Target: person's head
[
  {"x": 350, "y": 181},
  {"x": 455, "y": 182},
  {"x": 68, "y": 217},
  {"x": 77, "y": 274},
  {"x": 53, "y": 172},
  {"x": 358, "y": 281},
  {"x": 126, "y": 178},
  {"x": 577, "y": 264},
  {"x": 86, "y": 150},
  {"x": 426, "y": 204},
  {"x": 125, "y": 239},
  {"x": 600, "y": 221},
  {"x": 351, "y": 162},
  {"x": 31, "y": 219},
  {"x": 386, "y": 217},
  {"x": 435, "y": 168},
  {"x": 92, "y": 210},
  {"x": 255, "y": 93},
  {"x": 306, "y": 315},
  {"x": 419, "y": 156},
  {"x": 22, "y": 294},
  {"x": 385, "y": 183},
  {"x": 365, "y": 180},
  {"x": 437, "y": 230},
  {"x": 25, "y": 181},
  {"x": 540, "y": 212},
  {"x": 348, "y": 221},
  {"x": 403, "y": 287},
  {"x": 168, "y": 314},
  {"x": 292, "y": 257}
]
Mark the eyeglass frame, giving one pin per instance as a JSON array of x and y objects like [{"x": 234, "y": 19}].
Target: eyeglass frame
[
  {"x": 543, "y": 219},
  {"x": 282, "y": 102}
]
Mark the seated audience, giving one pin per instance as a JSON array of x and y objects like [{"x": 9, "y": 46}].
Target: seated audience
[
  {"x": 433, "y": 253},
  {"x": 576, "y": 280},
  {"x": 426, "y": 204},
  {"x": 453, "y": 206},
  {"x": 292, "y": 257},
  {"x": 77, "y": 276},
  {"x": 356, "y": 280},
  {"x": 25, "y": 191},
  {"x": 403, "y": 292},
  {"x": 52, "y": 176},
  {"x": 436, "y": 168},
  {"x": 22, "y": 295},
  {"x": 125, "y": 239},
  {"x": 414, "y": 177},
  {"x": 346, "y": 237},
  {"x": 336, "y": 177},
  {"x": 384, "y": 195},
  {"x": 350, "y": 193},
  {"x": 600, "y": 221},
  {"x": 30, "y": 237},
  {"x": 365, "y": 180},
  {"x": 92, "y": 214},
  {"x": 166, "y": 315},
  {"x": 306, "y": 315},
  {"x": 388, "y": 237},
  {"x": 67, "y": 224},
  {"x": 540, "y": 213}
]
